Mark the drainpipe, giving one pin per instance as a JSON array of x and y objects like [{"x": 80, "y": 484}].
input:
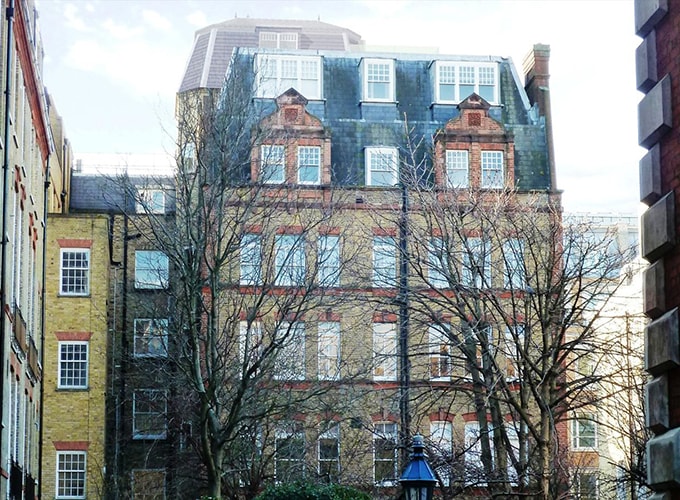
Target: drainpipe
[
  {"x": 404, "y": 361},
  {"x": 5, "y": 190},
  {"x": 42, "y": 305}
]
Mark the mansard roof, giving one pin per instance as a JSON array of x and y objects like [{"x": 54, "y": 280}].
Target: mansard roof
[{"x": 214, "y": 44}]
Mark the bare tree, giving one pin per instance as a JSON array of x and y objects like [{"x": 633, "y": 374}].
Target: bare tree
[
  {"x": 251, "y": 264},
  {"x": 506, "y": 298}
]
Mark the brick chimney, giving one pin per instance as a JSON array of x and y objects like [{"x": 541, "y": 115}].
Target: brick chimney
[{"x": 536, "y": 84}]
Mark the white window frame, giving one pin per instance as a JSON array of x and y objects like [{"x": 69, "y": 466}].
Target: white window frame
[
  {"x": 328, "y": 256},
  {"x": 384, "y": 262},
  {"x": 441, "y": 363},
  {"x": 250, "y": 268},
  {"x": 577, "y": 432},
  {"x": 272, "y": 81},
  {"x": 74, "y": 271},
  {"x": 329, "y": 350},
  {"x": 591, "y": 475},
  {"x": 441, "y": 439},
  {"x": 476, "y": 254},
  {"x": 69, "y": 365},
  {"x": 457, "y": 165},
  {"x": 384, "y": 351},
  {"x": 330, "y": 435},
  {"x": 371, "y": 78},
  {"x": 492, "y": 169},
  {"x": 251, "y": 344},
  {"x": 151, "y": 201},
  {"x": 514, "y": 336},
  {"x": 153, "y": 397},
  {"x": 384, "y": 433},
  {"x": 284, "y": 434},
  {"x": 151, "y": 337},
  {"x": 152, "y": 492},
  {"x": 309, "y": 158},
  {"x": 278, "y": 40},
  {"x": 381, "y": 161},
  {"x": 437, "y": 263},
  {"x": 515, "y": 275},
  {"x": 290, "y": 362},
  {"x": 454, "y": 73},
  {"x": 289, "y": 256},
  {"x": 75, "y": 476},
  {"x": 189, "y": 158},
  {"x": 152, "y": 270},
  {"x": 272, "y": 164},
  {"x": 473, "y": 451}
]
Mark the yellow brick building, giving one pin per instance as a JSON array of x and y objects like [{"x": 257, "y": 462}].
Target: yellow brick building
[{"x": 75, "y": 365}]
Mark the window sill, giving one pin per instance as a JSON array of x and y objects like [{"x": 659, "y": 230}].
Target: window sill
[{"x": 73, "y": 295}]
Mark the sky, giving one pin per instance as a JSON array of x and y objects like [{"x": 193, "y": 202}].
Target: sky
[{"x": 113, "y": 68}]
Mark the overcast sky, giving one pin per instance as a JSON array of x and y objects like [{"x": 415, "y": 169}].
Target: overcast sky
[{"x": 113, "y": 68}]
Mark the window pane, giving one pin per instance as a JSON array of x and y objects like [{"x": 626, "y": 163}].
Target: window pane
[
  {"x": 290, "y": 357},
  {"x": 384, "y": 351},
  {"x": 492, "y": 169},
  {"x": 309, "y": 164},
  {"x": 272, "y": 164},
  {"x": 382, "y": 166},
  {"x": 457, "y": 168},
  {"x": 385, "y": 453},
  {"x": 384, "y": 262},
  {"x": 75, "y": 272},
  {"x": 73, "y": 365},
  {"x": 151, "y": 269},
  {"x": 329, "y": 350},
  {"x": 329, "y": 261},
  {"x": 71, "y": 467},
  {"x": 378, "y": 80},
  {"x": 290, "y": 260},
  {"x": 151, "y": 337},
  {"x": 149, "y": 414},
  {"x": 251, "y": 260}
]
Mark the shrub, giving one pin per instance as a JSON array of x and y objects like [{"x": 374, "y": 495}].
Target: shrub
[{"x": 310, "y": 491}]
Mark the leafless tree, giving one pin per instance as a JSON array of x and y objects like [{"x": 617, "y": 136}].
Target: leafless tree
[
  {"x": 513, "y": 295},
  {"x": 247, "y": 267}
]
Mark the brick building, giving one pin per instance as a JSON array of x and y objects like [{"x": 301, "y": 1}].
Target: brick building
[
  {"x": 36, "y": 159},
  {"x": 658, "y": 72},
  {"x": 344, "y": 128}
]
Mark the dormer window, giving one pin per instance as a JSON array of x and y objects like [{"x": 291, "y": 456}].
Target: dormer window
[
  {"x": 382, "y": 166},
  {"x": 455, "y": 81},
  {"x": 275, "y": 73},
  {"x": 274, "y": 40},
  {"x": 378, "y": 78}
]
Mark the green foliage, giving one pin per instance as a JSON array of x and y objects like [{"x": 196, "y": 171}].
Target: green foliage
[{"x": 310, "y": 491}]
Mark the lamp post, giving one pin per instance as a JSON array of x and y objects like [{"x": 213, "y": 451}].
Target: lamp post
[{"x": 418, "y": 480}]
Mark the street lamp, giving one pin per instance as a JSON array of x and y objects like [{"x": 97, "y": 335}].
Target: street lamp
[{"x": 418, "y": 480}]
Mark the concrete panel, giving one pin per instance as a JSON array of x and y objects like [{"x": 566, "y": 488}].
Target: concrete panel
[
  {"x": 662, "y": 344},
  {"x": 650, "y": 176},
  {"x": 654, "y": 290},
  {"x": 655, "y": 117},
  {"x": 658, "y": 228},
  {"x": 645, "y": 63},
  {"x": 656, "y": 402},
  {"x": 663, "y": 460},
  {"x": 647, "y": 14}
]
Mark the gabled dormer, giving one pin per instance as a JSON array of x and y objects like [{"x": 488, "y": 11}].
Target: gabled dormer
[
  {"x": 473, "y": 150},
  {"x": 292, "y": 145}
]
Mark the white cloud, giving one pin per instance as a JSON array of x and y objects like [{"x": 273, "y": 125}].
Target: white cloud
[
  {"x": 198, "y": 19},
  {"x": 73, "y": 19},
  {"x": 121, "y": 31},
  {"x": 156, "y": 20}
]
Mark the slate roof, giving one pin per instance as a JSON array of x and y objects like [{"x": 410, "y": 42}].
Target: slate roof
[{"x": 213, "y": 45}]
